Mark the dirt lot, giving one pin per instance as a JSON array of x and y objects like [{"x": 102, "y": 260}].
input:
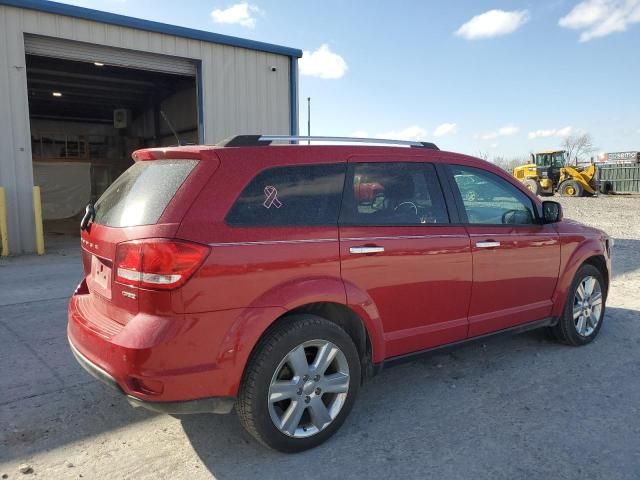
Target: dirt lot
[{"x": 522, "y": 407}]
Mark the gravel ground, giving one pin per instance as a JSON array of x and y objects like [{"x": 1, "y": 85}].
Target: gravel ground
[
  {"x": 618, "y": 215},
  {"x": 521, "y": 407}
]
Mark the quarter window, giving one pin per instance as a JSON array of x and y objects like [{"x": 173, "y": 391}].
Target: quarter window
[
  {"x": 393, "y": 194},
  {"x": 291, "y": 196},
  {"x": 491, "y": 200}
]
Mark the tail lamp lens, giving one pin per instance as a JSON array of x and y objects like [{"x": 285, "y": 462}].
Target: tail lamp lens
[{"x": 158, "y": 263}]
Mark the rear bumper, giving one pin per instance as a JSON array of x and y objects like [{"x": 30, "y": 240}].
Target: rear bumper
[
  {"x": 167, "y": 359},
  {"x": 203, "y": 405}
]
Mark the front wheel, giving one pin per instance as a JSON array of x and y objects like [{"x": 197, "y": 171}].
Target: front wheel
[
  {"x": 570, "y": 188},
  {"x": 300, "y": 384},
  {"x": 584, "y": 310}
]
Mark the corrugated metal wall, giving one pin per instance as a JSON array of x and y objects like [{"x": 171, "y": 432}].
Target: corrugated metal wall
[
  {"x": 240, "y": 94},
  {"x": 619, "y": 178}
]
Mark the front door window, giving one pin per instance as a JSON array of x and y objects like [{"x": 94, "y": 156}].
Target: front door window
[{"x": 491, "y": 200}]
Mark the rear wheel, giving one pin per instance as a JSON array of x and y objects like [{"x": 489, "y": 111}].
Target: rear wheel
[
  {"x": 584, "y": 310},
  {"x": 532, "y": 185},
  {"x": 300, "y": 384},
  {"x": 570, "y": 188}
]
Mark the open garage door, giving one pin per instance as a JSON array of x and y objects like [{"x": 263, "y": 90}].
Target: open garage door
[
  {"x": 90, "y": 106},
  {"x": 89, "y": 52}
]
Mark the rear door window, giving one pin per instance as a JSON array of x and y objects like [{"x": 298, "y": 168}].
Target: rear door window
[
  {"x": 394, "y": 193},
  {"x": 306, "y": 195},
  {"x": 141, "y": 194}
]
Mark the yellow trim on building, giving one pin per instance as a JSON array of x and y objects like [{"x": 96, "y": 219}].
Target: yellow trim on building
[
  {"x": 37, "y": 211},
  {"x": 4, "y": 234}
]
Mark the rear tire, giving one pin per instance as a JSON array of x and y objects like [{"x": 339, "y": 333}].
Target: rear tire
[
  {"x": 570, "y": 188},
  {"x": 286, "y": 400},
  {"x": 583, "y": 313},
  {"x": 532, "y": 185}
]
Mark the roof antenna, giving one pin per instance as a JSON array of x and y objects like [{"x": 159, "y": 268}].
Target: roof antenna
[{"x": 173, "y": 130}]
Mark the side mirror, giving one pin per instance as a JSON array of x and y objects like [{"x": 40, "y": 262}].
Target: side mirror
[{"x": 551, "y": 212}]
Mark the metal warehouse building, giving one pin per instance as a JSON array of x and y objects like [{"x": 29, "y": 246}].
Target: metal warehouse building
[{"x": 81, "y": 89}]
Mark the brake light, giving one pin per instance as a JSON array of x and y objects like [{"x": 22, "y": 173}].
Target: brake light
[{"x": 158, "y": 263}]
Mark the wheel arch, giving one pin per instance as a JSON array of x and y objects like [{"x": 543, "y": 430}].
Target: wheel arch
[
  {"x": 338, "y": 313},
  {"x": 322, "y": 296},
  {"x": 588, "y": 254},
  {"x": 600, "y": 263},
  {"x": 334, "y": 299}
]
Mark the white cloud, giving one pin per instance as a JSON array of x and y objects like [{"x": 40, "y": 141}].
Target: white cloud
[
  {"x": 564, "y": 132},
  {"x": 413, "y": 132},
  {"x": 240, "y": 14},
  {"x": 493, "y": 24},
  {"x": 552, "y": 132},
  {"x": 322, "y": 63},
  {"x": 599, "y": 18},
  {"x": 445, "y": 129},
  {"x": 501, "y": 132}
]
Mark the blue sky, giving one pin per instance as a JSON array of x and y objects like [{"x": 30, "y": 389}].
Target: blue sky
[{"x": 516, "y": 78}]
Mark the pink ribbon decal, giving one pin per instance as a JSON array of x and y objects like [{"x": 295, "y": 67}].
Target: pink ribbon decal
[{"x": 272, "y": 197}]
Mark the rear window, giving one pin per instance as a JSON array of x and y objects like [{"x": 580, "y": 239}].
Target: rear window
[
  {"x": 140, "y": 195},
  {"x": 307, "y": 195}
]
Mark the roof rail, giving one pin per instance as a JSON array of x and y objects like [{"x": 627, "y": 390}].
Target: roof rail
[{"x": 263, "y": 140}]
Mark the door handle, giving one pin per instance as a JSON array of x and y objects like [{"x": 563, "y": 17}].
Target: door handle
[
  {"x": 362, "y": 250},
  {"x": 487, "y": 244}
]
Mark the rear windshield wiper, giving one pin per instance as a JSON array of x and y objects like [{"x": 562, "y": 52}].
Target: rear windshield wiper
[{"x": 89, "y": 216}]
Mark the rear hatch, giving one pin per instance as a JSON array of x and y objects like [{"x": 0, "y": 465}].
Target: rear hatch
[{"x": 140, "y": 212}]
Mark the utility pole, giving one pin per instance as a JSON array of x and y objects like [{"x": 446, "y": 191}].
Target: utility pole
[{"x": 309, "y": 120}]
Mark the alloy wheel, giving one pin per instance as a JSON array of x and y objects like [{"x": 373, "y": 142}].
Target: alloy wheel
[
  {"x": 587, "y": 306},
  {"x": 308, "y": 389}
]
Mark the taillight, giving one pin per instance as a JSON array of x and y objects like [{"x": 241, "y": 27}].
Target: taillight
[{"x": 158, "y": 263}]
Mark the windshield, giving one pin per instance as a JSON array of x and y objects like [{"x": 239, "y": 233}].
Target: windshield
[
  {"x": 140, "y": 195},
  {"x": 555, "y": 159}
]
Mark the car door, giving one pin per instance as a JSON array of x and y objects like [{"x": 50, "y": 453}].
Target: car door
[
  {"x": 516, "y": 258},
  {"x": 401, "y": 254}
]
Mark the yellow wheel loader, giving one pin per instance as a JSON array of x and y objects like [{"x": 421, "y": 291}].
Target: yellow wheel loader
[{"x": 548, "y": 172}]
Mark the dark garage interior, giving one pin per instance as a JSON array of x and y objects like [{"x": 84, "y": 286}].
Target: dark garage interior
[{"x": 87, "y": 118}]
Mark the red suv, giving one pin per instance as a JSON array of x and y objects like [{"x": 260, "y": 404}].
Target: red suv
[{"x": 261, "y": 277}]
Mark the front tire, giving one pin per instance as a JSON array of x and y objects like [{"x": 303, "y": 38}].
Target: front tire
[
  {"x": 584, "y": 310},
  {"x": 300, "y": 384},
  {"x": 570, "y": 188}
]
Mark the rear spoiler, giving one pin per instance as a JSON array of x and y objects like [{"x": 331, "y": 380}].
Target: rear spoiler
[{"x": 169, "y": 153}]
